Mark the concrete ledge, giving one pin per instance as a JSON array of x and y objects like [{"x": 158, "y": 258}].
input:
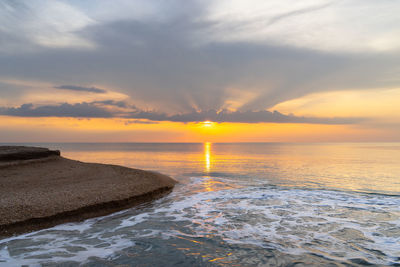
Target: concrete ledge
[
  {"x": 40, "y": 193},
  {"x": 80, "y": 214},
  {"x": 11, "y": 153}
]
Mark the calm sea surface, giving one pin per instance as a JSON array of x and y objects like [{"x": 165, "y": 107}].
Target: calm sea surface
[{"x": 236, "y": 205}]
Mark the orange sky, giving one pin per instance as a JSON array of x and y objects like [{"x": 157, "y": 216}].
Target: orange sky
[
  {"x": 379, "y": 106},
  {"x": 15, "y": 129}
]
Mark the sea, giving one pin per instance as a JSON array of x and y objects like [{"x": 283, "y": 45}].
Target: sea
[{"x": 239, "y": 204}]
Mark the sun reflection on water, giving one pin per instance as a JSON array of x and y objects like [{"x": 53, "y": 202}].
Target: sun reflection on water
[
  {"x": 210, "y": 183},
  {"x": 207, "y": 156},
  {"x": 357, "y": 167}
]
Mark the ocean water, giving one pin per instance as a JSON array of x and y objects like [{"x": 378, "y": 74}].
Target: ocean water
[{"x": 236, "y": 205}]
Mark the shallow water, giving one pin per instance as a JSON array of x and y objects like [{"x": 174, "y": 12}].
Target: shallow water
[{"x": 236, "y": 205}]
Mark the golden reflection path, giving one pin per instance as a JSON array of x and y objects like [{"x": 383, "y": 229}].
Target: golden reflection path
[
  {"x": 207, "y": 156},
  {"x": 209, "y": 183}
]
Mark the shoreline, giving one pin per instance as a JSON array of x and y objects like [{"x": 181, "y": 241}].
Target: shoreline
[
  {"x": 39, "y": 193},
  {"x": 81, "y": 214}
]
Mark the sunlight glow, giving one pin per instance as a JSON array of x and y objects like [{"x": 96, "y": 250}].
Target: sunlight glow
[
  {"x": 207, "y": 123},
  {"x": 52, "y": 129}
]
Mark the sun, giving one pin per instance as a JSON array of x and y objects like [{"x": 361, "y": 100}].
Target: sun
[{"x": 207, "y": 123}]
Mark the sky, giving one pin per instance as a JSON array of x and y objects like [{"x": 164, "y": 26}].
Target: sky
[{"x": 199, "y": 71}]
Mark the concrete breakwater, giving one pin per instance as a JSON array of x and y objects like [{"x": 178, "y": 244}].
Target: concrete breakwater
[{"x": 39, "y": 189}]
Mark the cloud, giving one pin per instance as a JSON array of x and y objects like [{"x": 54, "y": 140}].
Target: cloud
[
  {"x": 120, "y": 104},
  {"x": 79, "y": 110},
  {"x": 241, "y": 117},
  {"x": 211, "y": 56},
  {"x": 80, "y": 88},
  {"x": 161, "y": 67},
  {"x": 35, "y": 24},
  {"x": 325, "y": 25},
  {"x": 334, "y": 26},
  {"x": 96, "y": 110},
  {"x": 129, "y": 122}
]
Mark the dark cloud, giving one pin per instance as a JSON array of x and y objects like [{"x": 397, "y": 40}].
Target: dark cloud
[
  {"x": 94, "y": 110},
  {"x": 81, "y": 88},
  {"x": 170, "y": 65},
  {"x": 128, "y": 122},
  {"x": 120, "y": 104},
  {"x": 241, "y": 117},
  {"x": 79, "y": 110},
  {"x": 161, "y": 66}
]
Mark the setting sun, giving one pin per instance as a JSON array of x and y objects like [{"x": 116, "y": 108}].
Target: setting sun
[{"x": 207, "y": 123}]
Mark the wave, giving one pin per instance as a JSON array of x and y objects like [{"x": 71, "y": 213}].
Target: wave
[{"x": 222, "y": 214}]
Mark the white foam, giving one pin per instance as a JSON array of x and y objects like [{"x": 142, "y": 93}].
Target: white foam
[{"x": 290, "y": 220}]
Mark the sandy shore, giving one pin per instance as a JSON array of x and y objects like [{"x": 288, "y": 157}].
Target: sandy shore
[{"x": 39, "y": 193}]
